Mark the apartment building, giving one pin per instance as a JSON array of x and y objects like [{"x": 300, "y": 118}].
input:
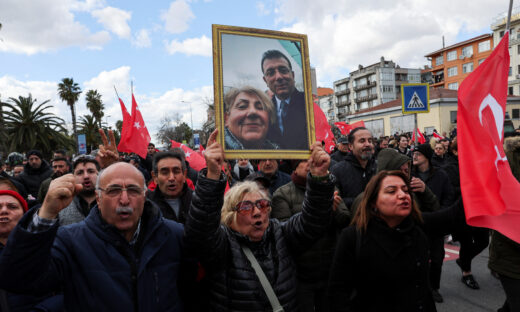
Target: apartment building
[
  {"x": 371, "y": 86},
  {"x": 498, "y": 27},
  {"x": 450, "y": 65},
  {"x": 326, "y": 102}
]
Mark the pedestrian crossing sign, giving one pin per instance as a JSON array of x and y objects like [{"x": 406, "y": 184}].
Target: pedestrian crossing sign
[{"x": 415, "y": 98}]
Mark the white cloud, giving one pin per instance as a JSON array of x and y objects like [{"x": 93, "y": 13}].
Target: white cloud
[
  {"x": 191, "y": 46},
  {"x": 114, "y": 20},
  {"x": 345, "y": 33},
  {"x": 262, "y": 9},
  {"x": 41, "y": 25},
  {"x": 177, "y": 17},
  {"x": 142, "y": 39}
]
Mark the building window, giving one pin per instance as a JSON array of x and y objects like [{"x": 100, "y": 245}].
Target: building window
[
  {"x": 516, "y": 113},
  {"x": 484, "y": 46},
  {"x": 481, "y": 61},
  {"x": 467, "y": 68},
  {"x": 386, "y": 88},
  {"x": 510, "y": 89},
  {"x": 439, "y": 60},
  {"x": 467, "y": 51},
  {"x": 452, "y": 55},
  {"x": 453, "y": 117},
  {"x": 453, "y": 86},
  {"x": 452, "y": 71},
  {"x": 510, "y": 71},
  {"x": 501, "y": 34}
]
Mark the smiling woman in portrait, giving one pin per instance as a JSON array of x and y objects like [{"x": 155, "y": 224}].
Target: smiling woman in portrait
[{"x": 248, "y": 115}]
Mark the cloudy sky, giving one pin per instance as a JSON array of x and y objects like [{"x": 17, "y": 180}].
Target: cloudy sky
[{"x": 164, "y": 47}]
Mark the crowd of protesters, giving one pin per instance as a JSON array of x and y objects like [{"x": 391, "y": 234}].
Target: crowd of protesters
[{"x": 361, "y": 229}]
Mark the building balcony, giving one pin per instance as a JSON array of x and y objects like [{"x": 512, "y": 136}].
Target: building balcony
[
  {"x": 366, "y": 98},
  {"x": 368, "y": 85},
  {"x": 342, "y": 114},
  {"x": 342, "y": 92},
  {"x": 342, "y": 103}
]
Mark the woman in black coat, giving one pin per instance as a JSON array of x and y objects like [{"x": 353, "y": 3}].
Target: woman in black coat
[
  {"x": 381, "y": 260},
  {"x": 219, "y": 230}
]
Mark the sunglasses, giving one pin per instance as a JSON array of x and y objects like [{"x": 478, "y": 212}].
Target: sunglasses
[{"x": 247, "y": 206}]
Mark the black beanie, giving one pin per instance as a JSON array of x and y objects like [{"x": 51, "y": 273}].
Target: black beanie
[
  {"x": 425, "y": 149},
  {"x": 34, "y": 152}
]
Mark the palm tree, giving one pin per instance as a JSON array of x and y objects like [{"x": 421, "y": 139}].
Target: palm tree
[
  {"x": 89, "y": 127},
  {"x": 95, "y": 105},
  {"x": 29, "y": 126},
  {"x": 69, "y": 92}
]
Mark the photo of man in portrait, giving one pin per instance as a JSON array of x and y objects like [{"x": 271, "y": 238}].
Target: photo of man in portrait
[{"x": 290, "y": 128}]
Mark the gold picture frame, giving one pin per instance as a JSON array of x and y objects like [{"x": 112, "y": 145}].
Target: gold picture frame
[{"x": 248, "y": 69}]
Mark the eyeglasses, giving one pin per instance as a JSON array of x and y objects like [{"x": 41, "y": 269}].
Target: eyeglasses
[
  {"x": 246, "y": 206},
  {"x": 116, "y": 191}
]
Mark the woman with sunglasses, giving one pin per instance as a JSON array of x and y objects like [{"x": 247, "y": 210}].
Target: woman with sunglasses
[{"x": 222, "y": 231}]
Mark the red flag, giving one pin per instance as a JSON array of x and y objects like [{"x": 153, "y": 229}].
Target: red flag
[
  {"x": 489, "y": 189},
  {"x": 127, "y": 119},
  {"x": 345, "y": 128},
  {"x": 322, "y": 127},
  {"x": 137, "y": 136},
  {"x": 437, "y": 136},
  {"x": 196, "y": 161},
  {"x": 420, "y": 137}
]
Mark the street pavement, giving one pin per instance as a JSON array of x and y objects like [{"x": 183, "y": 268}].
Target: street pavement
[{"x": 460, "y": 298}]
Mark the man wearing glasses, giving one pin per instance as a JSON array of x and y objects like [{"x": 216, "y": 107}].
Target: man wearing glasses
[
  {"x": 123, "y": 257},
  {"x": 291, "y": 127},
  {"x": 85, "y": 169}
]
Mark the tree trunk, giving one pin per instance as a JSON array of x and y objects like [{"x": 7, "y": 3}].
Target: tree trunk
[{"x": 74, "y": 129}]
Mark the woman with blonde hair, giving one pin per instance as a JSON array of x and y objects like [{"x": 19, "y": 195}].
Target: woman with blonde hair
[
  {"x": 381, "y": 260},
  {"x": 248, "y": 257}
]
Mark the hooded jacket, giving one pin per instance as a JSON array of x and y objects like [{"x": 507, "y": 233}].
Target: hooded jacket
[{"x": 32, "y": 178}]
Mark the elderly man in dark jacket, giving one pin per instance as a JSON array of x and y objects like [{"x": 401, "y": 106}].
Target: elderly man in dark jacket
[
  {"x": 123, "y": 257},
  {"x": 34, "y": 173},
  {"x": 246, "y": 226}
]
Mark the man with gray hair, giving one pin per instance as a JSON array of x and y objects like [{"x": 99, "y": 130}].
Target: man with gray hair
[{"x": 123, "y": 257}]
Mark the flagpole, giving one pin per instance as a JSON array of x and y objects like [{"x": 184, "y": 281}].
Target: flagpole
[
  {"x": 415, "y": 131},
  {"x": 509, "y": 15},
  {"x": 132, "y": 86},
  {"x": 116, "y": 92}
]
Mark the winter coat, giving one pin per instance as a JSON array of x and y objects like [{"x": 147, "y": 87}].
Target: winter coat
[
  {"x": 439, "y": 183},
  {"x": 314, "y": 264},
  {"x": 352, "y": 178},
  {"x": 185, "y": 200},
  {"x": 504, "y": 253},
  {"x": 95, "y": 266},
  {"x": 338, "y": 155},
  {"x": 278, "y": 179},
  {"x": 386, "y": 269},
  {"x": 234, "y": 285},
  {"x": 32, "y": 178}
]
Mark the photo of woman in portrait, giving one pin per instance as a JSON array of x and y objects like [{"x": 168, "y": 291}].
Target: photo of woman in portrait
[{"x": 248, "y": 115}]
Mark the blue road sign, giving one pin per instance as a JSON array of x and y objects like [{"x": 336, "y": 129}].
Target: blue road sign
[
  {"x": 82, "y": 144},
  {"x": 415, "y": 98}
]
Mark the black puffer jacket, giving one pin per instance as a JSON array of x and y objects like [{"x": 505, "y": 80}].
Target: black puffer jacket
[
  {"x": 32, "y": 178},
  {"x": 352, "y": 178},
  {"x": 234, "y": 285},
  {"x": 167, "y": 211}
]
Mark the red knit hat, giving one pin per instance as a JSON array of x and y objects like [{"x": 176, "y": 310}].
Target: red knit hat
[{"x": 17, "y": 196}]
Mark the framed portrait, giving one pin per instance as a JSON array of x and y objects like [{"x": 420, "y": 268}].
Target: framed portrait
[{"x": 263, "y": 97}]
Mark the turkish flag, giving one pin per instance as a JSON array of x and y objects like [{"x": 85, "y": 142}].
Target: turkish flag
[
  {"x": 127, "y": 119},
  {"x": 488, "y": 187},
  {"x": 420, "y": 137},
  {"x": 196, "y": 160},
  {"x": 322, "y": 128},
  {"x": 437, "y": 136},
  {"x": 345, "y": 128},
  {"x": 136, "y": 137}
]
